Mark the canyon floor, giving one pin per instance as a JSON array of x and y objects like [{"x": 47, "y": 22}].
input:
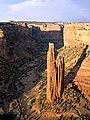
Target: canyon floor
[
  {"x": 23, "y": 73},
  {"x": 25, "y": 96}
]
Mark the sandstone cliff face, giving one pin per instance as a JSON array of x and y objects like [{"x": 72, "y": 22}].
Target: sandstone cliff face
[
  {"x": 46, "y": 32},
  {"x": 72, "y": 33},
  {"x": 48, "y": 27},
  {"x": 3, "y": 44},
  {"x": 75, "y": 33},
  {"x": 77, "y": 67},
  {"x": 25, "y": 35},
  {"x": 15, "y": 41},
  {"x": 1, "y": 33},
  {"x": 82, "y": 80}
]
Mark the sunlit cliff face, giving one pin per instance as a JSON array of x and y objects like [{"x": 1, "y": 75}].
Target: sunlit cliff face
[
  {"x": 1, "y": 33},
  {"x": 75, "y": 33}
]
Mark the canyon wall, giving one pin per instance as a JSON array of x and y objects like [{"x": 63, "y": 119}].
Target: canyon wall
[
  {"x": 16, "y": 36},
  {"x": 15, "y": 41},
  {"x": 47, "y": 27},
  {"x": 75, "y": 33},
  {"x": 46, "y": 32},
  {"x": 20, "y": 35},
  {"x": 60, "y": 33},
  {"x": 44, "y": 26}
]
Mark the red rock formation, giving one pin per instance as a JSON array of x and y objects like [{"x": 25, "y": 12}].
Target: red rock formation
[
  {"x": 51, "y": 73},
  {"x": 3, "y": 44},
  {"x": 54, "y": 75},
  {"x": 60, "y": 74},
  {"x": 75, "y": 33},
  {"x": 82, "y": 80}
]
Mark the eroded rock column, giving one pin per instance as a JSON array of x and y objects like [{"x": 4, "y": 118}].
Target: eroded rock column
[
  {"x": 55, "y": 74},
  {"x": 60, "y": 74},
  {"x": 51, "y": 73}
]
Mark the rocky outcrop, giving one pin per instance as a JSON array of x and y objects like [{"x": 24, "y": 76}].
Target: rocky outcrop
[
  {"x": 55, "y": 75},
  {"x": 1, "y": 33},
  {"x": 3, "y": 44},
  {"x": 75, "y": 33}
]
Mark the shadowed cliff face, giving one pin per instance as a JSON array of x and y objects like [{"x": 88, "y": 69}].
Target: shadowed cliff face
[
  {"x": 16, "y": 48},
  {"x": 22, "y": 59},
  {"x": 16, "y": 41},
  {"x": 46, "y": 32},
  {"x": 49, "y": 34},
  {"x": 24, "y": 40}
]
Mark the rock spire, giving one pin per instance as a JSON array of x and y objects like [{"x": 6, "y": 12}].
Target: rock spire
[{"x": 55, "y": 74}]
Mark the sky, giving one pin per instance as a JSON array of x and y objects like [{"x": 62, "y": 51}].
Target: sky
[{"x": 45, "y": 10}]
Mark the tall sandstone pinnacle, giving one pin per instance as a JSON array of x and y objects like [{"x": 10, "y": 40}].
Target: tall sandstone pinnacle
[{"x": 55, "y": 75}]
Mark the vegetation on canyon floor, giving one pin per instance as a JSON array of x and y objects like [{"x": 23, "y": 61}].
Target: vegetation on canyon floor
[
  {"x": 26, "y": 94},
  {"x": 72, "y": 100}
]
